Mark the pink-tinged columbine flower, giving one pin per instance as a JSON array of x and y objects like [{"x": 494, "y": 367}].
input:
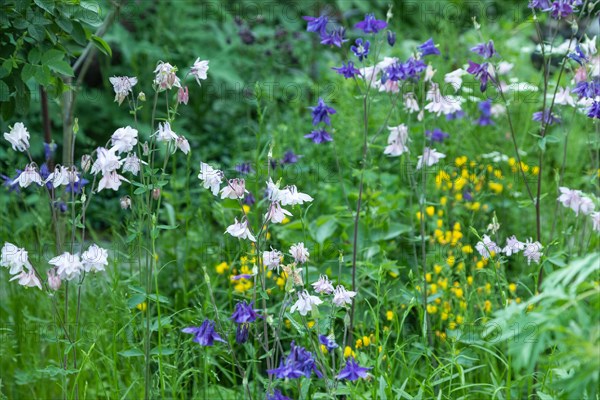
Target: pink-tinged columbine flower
[
  {"x": 291, "y": 196},
  {"x": 122, "y": 86},
  {"x": 272, "y": 259},
  {"x": 111, "y": 180},
  {"x": 199, "y": 70},
  {"x": 235, "y": 189},
  {"x": 183, "y": 144},
  {"x": 15, "y": 258},
  {"x": 570, "y": 198},
  {"x": 299, "y": 252},
  {"x": 533, "y": 251},
  {"x": 240, "y": 230},
  {"x": 210, "y": 177},
  {"x": 94, "y": 259},
  {"x": 306, "y": 303},
  {"x": 165, "y": 133},
  {"x": 62, "y": 176},
  {"x": 166, "y": 76},
  {"x": 430, "y": 157},
  {"x": 28, "y": 279},
  {"x": 68, "y": 265},
  {"x": 595, "y": 216},
  {"x": 124, "y": 139},
  {"x": 53, "y": 279},
  {"x": 486, "y": 246},
  {"x": 504, "y": 67},
  {"x": 183, "y": 95},
  {"x": 397, "y": 141},
  {"x": 276, "y": 214},
  {"x": 341, "y": 296},
  {"x": 323, "y": 285},
  {"x": 586, "y": 206},
  {"x": 29, "y": 175},
  {"x": 132, "y": 164},
  {"x": 18, "y": 137},
  {"x": 513, "y": 246},
  {"x": 563, "y": 97}
]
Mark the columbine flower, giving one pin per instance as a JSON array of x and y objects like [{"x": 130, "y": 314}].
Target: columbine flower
[
  {"x": 341, "y": 296},
  {"x": 68, "y": 265},
  {"x": 164, "y": 132},
  {"x": 299, "y": 252},
  {"x": 454, "y": 78},
  {"x": 411, "y": 104},
  {"x": 294, "y": 274},
  {"x": 539, "y": 4},
  {"x": 15, "y": 259},
  {"x": 300, "y": 362},
  {"x": 235, "y": 189},
  {"x": 125, "y": 202},
  {"x": 486, "y": 246},
  {"x": 94, "y": 259},
  {"x": 28, "y": 279},
  {"x": 586, "y": 206},
  {"x": 430, "y": 157},
  {"x": 183, "y": 95},
  {"x": 335, "y": 38},
  {"x": 272, "y": 259},
  {"x": 132, "y": 164},
  {"x": 276, "y": 214},
  {"x": 578, "y": 56},
  {"x": 28, "y": 176},
  {"x": 321, "y": 112},
  {"x": 211, "y": 178},
  {"x": 204, "y": 334},
  {"x": 361, "y": 49},
  {"x": 485, "y": 50},
  {"x": 290, "y": 157},
  {"x": 513, "y": 246},
  {"x": 62, "y": 176},
  {"x": 18, "y": 137},
  {"x": 570, "y": 198},
  {"x": 319, "y": 136},
  {"x": 532, "y": 251},
  {"x": 391, "y": 38},
  {"x": 328, "y": 342},
  {"x": 277, "y": 395},
  {"x": 166, "y": 76},
  {"x": 348, "y": 71},
  {"x": 370, "y": 24},
  {"x": 240, "y": 230},
  {"x": 397, "y": 141},
  {"x": 594, "y": 110},
  {"x": 486, "y": 113},
  {"x": 291, "y": 196},
  {"x": 183, "y": 144},
  {"x": 352, "y": 371},
  {"x": 545, "y": 117},
  {"x": 323, "y": 285},
  {"x": 561, "y": 8},
  {"x": 124, "y": 139},
  {"x": 106, "y": 161},
  {"x": 243, "y": 315},
  {"x": 436, "y": 135},
  {"x": 306, "y": 303},
  {"x": 111, "y": 180},
  {"x": 54, "y": 281},
  {"x": 595, "y": 216},
  {"x": 199, "y": 70},
  {"x": 439, "y": 104},
  {"x": 318, "y": 25},
  {"x": 122, "y": 86},
  {"x": 428, "y": 48},
  {"x": 481, "y": 72}
]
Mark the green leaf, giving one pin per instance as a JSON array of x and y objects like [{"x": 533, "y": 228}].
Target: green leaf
[
  {"x": 133, "y": 352},
  {"x": 163, "y": 351},
  {"x": 51, "y": 55},
  {"x": 140, "y": 190},
  {"x": 4, "y": 91},
  {"x": 46, "y": 5},
  {"x": 167, "y": 227},
  {"x": 325, "y": 231},
  {"x": 61, "y": 67},
  {"x": 101, "y": 45},
  {"x": 135, "y": 300}
]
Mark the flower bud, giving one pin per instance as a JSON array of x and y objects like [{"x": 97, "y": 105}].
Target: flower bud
[
  {"x": 125, "y": 202},
  {"x": 145, "y": 149},
  {"x": 142, "y": 96},
  {"x": 53, "y": 280},
  {"x": 86, "y": 162},
  {"x": 183, "y": 95},
  {"x": 391, "y": 38},
  {"x": 156, "y": 193}
]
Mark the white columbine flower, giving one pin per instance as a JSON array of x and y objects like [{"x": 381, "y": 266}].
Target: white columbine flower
[
  {"x": 234, "y": 189},
  {"x": 504, "y": 67},
  {"x": 18, "y": 137},
  {"x": 210, "y": 177},
  {"x": 273, "y": 191},
  {"x": 596, "y": 220},
  {"x": 28, "y": 279},
  {"x": 183, "y": 144},
  {"x": 306, "y": 303},
  {"x": 397, "y": 141},
  {"x": 291, "y": 196},
  {"x": 341, "y": 296},
  {"x": 166, "y": 76},
  {"x": 165, "y": 133},
  {"x": 299, "y": 252},
  {"x": 132, "y": 164},
  {"x": 63, "y": 176},
  {"x": 199, "y": 70},
  {"x": 240, "y": 230},
  {"x": 94, "y": 259},
  {"x": 430, "y": 157},
  {"x": 486, "y": 246},
  {"x": 563, "y": 97},
  {"x": 276, "y": 214},
  {"x": 124, "y": 139},
  {"x": 106, "y": 161},
  {"x": 122, "y": 86},
  {"x": 28, "y": 176},
  {"x": 586, "y": 206},
  {"x": 570, "y": 198},
  {"x": 272, "y": 259},
  {"x": 454, "y": 78},
  {"x": 410, "y": 103},
  {"x": 513, "y": 246},
  {"x": 68, "y": 265},
  {"x": 442, "y": 104},
  {"x": 111, "y": 180},
  {"x": 15, "y": 258},
  {"x": 53, "y": 279},
  {"x": 323, "y": 285},
  {"x": 533, "y": 251}
]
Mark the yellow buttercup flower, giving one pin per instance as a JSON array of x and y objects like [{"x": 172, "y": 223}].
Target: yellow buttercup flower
[
  {"x": 143, "y": 306},
  {"x": 512, "y": 287},
  {"x": 221, "y": 268},
  {"x": 496, "y": 187},
  {"x": 430, "y": 210},
  {"x": 389, "y": 315},
  {"x": 246, "y": 208}
]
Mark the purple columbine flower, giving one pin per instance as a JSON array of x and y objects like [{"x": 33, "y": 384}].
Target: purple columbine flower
[
  {"x": 243, "y": 315},
  {"x": 49, "y": 149},
  {"x": 486, "y": 113},
  {"x": 249, "y": 199},
  {"x": 467, "y": 196},
  {"x": 455, "y": 115},
  {"x": 10, "y": 183},
  {"x": 546, "y": 118},
  {"x": 329, "y": 343},
  {"x": 436, "y": 135},
  {"x": 300, "y": 362},
  {"x": 485, "y": 50},
  {"x": 286, "y": 371},
  {"x": 45, "y": 173},
  {"x": 319, "y": 136},
  {"x": 361, "y": 49},
  {"x": 413, "y": 68},
  {"x": 391, "y": 38},
  {"x": 244, "y": 168},
  {"x": 76, "y": 187},
  {"x": 335, "y": 38},
  {"x": 60, "y": 206},
  {"x": 560, "y": 9},
  {"x": 539, "y": 4},
  {"x": 204, "y": 334},
  {"x": 578, "y": 56},
  {"x": 481, "y": 73},
  {"x": 348, "y": 71},
  {"x": 321, "y": 112},
  {"x": 370, "y": 24},
  {"x": 594, "y": 110},
  {"x": 277, "y": 395},
  {"x": 290, "y": 157},
  {"x": 352, "y": 371},
  {"x": 317, "y": 24},
  {"x": 428, "y": 48},
  {"x": 587, "y": 89}
]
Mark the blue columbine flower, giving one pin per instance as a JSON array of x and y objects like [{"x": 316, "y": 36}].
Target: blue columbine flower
[
  {"x": 49, "y": 149},
  {"x": 249, "y": 199},
  {"x": 290, "y": 157},
  {"x": 319, "y": 136},
  {"x": 76, "y": 187},
  {"x": 243, "y": 315},
  {"x": 300, "y": 362},
  {"x": 335, "y": 38},
  {"x": 587, "y": 89},
  {"x": 481, "y": 73},
  {"x": 348, "y": 71},
  {"x": 391, "y": 38},
  {"x": 539, "y": 4},
  {"x": 361, "y": 49},
  {"x": 277, "y": 395},
  {"x": 486, "y": 113},
  {"x": 370, "y": 24},
  {"x": 455, "y": 115},
  {"x": 45, "y": 173},
  {"x": 329, "y": 343},
  {"x": 560, "y": 9},
  {"x": 428, "y": 48},
  {"x": 321, "y": 112},
  {"x": 10, "y": 183},
  {"x": 467, "y": 195},
  {"x": 317, "y": 24},
  {"x": 485, "y": 50},
  {"x": 413, "y": 68},
  {"x": 352, "y": 371},
  {"x": 204, "y": 334},
  {"x": 546, "y": 117},
  {"x": 60, "y": 206},
  {"x": 436, "y": 135},
  {"x": 578, "y": 56},
  {"x": 244, "y": 168},
  {"x": 594, "y": 110}
]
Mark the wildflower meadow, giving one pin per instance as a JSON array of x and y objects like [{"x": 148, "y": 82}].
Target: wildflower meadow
[{"x": 300, "y": 200}]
